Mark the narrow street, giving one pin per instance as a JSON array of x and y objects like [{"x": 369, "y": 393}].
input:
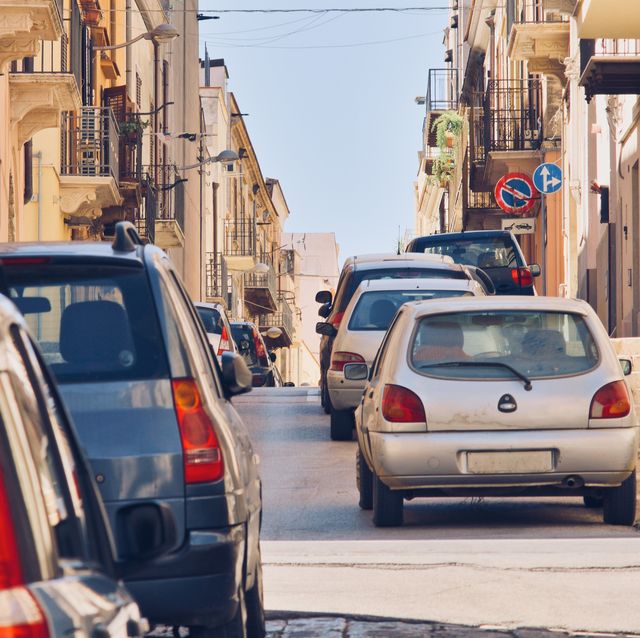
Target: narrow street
[{"x": 563, "y": 567}]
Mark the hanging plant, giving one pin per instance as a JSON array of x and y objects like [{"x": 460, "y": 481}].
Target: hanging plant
[
  {"x": 443, "y": 167},
  {"x": 447, "y": 126}
]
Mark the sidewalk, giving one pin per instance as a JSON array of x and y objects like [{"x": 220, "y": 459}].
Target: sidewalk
[{"x": 293, "y": 626}]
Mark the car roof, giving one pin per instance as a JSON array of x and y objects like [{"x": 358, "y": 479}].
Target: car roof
[
  {"x": 467, "y": 234},
  {"x": 87, "y": 249},
  {"x": 505, "y": 302},
  {"x": 369, "y": 285},
  {"x": 205, "y": 304},
  {"x": 406, "y": 260}
]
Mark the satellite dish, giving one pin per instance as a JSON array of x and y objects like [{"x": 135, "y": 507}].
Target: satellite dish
[{"x": 273, "y": 333}]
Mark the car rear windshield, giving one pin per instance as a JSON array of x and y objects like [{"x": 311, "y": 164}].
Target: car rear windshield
[
  {"x": 533, "y": 343},
  {"x": 211, "y": 320},
  {"x": 93, "y": 322},
  {"x": 376, "y": 309},
  {"x": 483, "y": 252},
  {"x": 345, "y": 294},
  {"x": 250, "y": 348}
]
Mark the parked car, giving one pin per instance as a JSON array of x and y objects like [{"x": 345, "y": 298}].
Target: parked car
[
  {"x": 366, "y": 319},
  {"x": 507, "y": 396},
  {"x": 496, "y": 252},
  {"x": 381, "y": 266},
  {"x": 253, "y": 350},
  {"x": 152, "y": 410},
  {"x": 216, "y": 324},
  {"x": 58, "y": 576}
]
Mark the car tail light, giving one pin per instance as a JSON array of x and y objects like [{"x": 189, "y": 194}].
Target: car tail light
[
  {"x": 401, "y": 405},
  {"x": 203, "y": 460},
  {"x": 258, "y": 380},
  {"x": 340, "y": 359},
  {"x": 260, "y": 350},
  {"x": 24, "y": 261},
  {"x": 522, "y": 277},
  {"x": 225, "y": 344},
  {"x": 20, "y": 614},
  {"x": 336, "y": 319},
  {"x": 610, "y": 402}
]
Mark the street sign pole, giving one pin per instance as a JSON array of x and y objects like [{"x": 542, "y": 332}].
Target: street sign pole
[{"x": 543, "y": 231}]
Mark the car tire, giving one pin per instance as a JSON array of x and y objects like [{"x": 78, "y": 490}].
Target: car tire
[
  {"x": 234, "y": 628},
  {"x": 388, "y": 506},
  {"x": 593, "y": 502},
  {"x": 256, "y": 627},
  {"x": 364, "y": 481},
  {"x": 619, "y": 506},
  {"x": 342, "y": 423}
]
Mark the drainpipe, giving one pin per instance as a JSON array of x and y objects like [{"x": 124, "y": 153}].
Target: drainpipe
[
  {"x": 128, "y": 53},
  {"x": 38, "y": 156}
]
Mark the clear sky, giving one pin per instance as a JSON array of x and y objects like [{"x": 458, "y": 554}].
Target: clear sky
[{"x": 337, "y": 125}]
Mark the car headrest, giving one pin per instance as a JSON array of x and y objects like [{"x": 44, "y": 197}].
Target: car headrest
[
  {"x": 543, "y": 343},
  {"x": 446, "y": 334}
]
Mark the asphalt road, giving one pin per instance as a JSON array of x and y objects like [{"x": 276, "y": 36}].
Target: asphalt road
[{"x": 535, "y": 562}]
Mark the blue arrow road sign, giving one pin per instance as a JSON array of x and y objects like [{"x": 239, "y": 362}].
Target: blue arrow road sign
[{"x": 548, "y": 178}]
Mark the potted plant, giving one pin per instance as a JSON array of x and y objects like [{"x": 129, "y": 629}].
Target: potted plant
[
  {"x": 448, "y": 128},
  {"x": 131, "y": 130}
]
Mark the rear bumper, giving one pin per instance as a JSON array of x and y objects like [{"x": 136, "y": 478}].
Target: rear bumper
[
  {"x": 345, "y": 394},
  {"x": 424, "y": 460},
  {"x": 197, "y": 585}
]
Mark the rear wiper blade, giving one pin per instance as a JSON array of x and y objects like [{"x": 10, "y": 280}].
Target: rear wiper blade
[{"x": 485, "y": 364}]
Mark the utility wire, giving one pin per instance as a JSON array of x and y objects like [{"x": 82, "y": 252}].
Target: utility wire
[{"x": 274, "y": 11}]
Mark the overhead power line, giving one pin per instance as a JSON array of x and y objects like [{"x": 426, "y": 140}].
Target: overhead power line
[{"x": 303, "y": 10}]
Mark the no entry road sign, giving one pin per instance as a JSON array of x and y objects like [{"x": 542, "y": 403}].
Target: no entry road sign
[
  {"x": 515, "y": 193},
  {"x": 548, "y": 178}
]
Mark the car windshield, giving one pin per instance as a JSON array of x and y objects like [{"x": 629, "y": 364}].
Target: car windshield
[
  {"x": 376, "y": 309},
  {"x": 93, "y": 323},
  {"x": 251, "y": 349},
  {"x": 536, "y": 344},
  {"x": 483, "y": 252},
  {"x": 211, "y": 320}
]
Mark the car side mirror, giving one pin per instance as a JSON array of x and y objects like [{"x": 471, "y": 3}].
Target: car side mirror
[
  {"x": 535, "y": 269},
  {"x": 272, "y": 357},
  {"x": 325, "y": 310},
  {"x": 485, "y": 280},
  {"x": 326, "y": 329},
  {"x": 145, "y": 531},
  {"x": 324, "y": 296},
  {"x": 236, "y": 376},
  {"x": 356, "y": 371},
  {"x": 627, "y": 366}
]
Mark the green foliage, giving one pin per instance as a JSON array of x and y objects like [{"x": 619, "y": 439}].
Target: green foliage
[{"x": 447, "y": 122}]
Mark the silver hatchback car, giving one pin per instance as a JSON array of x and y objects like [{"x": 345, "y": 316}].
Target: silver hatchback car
[{"x": 497, "y": 396}]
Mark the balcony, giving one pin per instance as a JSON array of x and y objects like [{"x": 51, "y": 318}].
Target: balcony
[
  {"x": 506, "y": 131},
  {"x": 260, "y": 289},
  {"x": 145, "y": 214},
  {"x": 240, "y": 243},
  {"x": 24, "y": 24},
  {"x": 47, "y": 84},
  {"x": 89, "y": 163},
  {"x": 218, "y": 286},
  {"x": 539, "y": 33},
  {"x": 442, "y": 96},
  {"x": 169, "y": 214},
  {"x": 610, "y": 67},
  {"x": 283, "y": 319},
  {"x": 601, "y": 19}
]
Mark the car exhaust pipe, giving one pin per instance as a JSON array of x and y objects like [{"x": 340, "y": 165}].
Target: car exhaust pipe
[{"x": 573, "y": 482}]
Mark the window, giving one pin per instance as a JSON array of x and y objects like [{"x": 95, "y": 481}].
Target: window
[
  {"x": 375, "y": 310},
  {"x": 537, "y": 344},
  {"x": 93, "y": 322},
  {"x": 211, "y": 320},
  {"x": 483, "y": 252}
]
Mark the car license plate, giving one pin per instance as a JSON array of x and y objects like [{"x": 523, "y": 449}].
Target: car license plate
[{"x": 516, "y": 462}]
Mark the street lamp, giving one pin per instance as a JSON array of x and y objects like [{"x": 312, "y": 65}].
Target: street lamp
[
  {"x": 225, "y": 156},
  {"x": 162, "y": 34}
]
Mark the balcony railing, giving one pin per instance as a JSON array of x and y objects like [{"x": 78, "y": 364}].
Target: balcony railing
[
  {"x": 145, "y": 217},
  {"x": 90, "y": 143},
  {"x": 479, "y": 200},
  {"x": 265, "y": 280},
  {"x": 610, "y": 67},
  {"x": 533, "y": 12},
  {"x": 282, "y": 318},
  {"x": 239, "y": 238},
  {"x": 442, "y": 90},
  {"x": 217, "y": 277}
]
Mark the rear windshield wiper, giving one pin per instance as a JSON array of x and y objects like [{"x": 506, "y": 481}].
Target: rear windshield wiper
[{"x": 481, "y": 364}]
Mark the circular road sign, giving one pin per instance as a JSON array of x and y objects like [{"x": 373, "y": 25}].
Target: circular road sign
[
  {"x": 548, "y": 178},
  {"x": 515, "y": 193}
]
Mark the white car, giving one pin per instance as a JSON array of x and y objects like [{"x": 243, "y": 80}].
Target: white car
[
  {"x": 497, "y": 396},
  {"x": 366, "y": 319},
  {"x": 216, "y": 324}
]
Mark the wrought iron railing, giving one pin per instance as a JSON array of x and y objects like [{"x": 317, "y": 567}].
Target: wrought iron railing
[
  {"x": 606, "y": 48},
  {"x": 266, "y": 280},
  {"x": 217, "y": 277},
  {"x": 479, "y": 200},
  {"x": 131, "y": 135},
  {"x": 239, "y": 237},
  {"x": 145, "y": 216},
  {"x": 533, "y": 11},
  {"x": 163, "y": 181},
  {"x": 282, "y": 318},
  {"x": 442, "y": 90},
  {"x": 506, "y": 117},
  {"x": 90, "y": 143}
]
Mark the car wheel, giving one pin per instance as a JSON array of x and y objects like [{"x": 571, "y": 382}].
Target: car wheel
[
  {"x": 341, "y": 425},
  {"x": 387, "y": 505},
  {"x": 364, "y": 481},
  {"x": 619, "y": 506},
  {"x": 255, "y": 606},
  {"x": 235, "y": 628},
  {"x": 593, "y": 502}
]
